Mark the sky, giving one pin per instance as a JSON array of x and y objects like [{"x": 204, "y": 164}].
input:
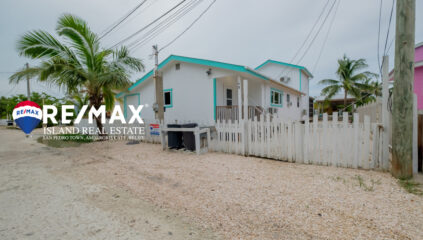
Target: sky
[{"x": 244, "y": 32}]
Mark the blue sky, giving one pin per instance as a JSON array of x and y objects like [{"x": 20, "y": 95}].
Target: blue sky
[{"x": 245, "y": 32}]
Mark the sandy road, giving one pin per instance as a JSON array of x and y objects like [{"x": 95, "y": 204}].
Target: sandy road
[
  {"x": 40, "y": 198},
  {"x": 110, "y": 190}
]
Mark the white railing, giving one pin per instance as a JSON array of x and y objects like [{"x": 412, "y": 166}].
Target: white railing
[{"x": 334, "y": 143}]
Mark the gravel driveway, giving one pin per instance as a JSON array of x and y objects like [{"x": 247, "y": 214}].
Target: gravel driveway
[{"x": 111, "y": 189}]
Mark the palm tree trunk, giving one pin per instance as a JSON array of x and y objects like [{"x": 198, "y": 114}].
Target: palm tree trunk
[
  {"x": 345, "y": 98},
  {"x": 96, "y": 102}
]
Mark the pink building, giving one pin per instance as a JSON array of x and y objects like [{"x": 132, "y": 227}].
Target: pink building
[{"x": 418, "y": 75}]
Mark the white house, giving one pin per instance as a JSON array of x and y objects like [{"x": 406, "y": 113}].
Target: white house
[{"x": 199, "y": 90}]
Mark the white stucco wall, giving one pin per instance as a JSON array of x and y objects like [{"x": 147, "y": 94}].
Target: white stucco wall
[
  {"x": 192, "y": 93},
  {"x": 299, "y": 81},
  {"x": 276, "y": 71}
]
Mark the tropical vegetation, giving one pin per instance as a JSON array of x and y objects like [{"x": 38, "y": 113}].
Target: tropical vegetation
[
  {"x": 353, "y": 80},
  {"x": 7, "y": 104},
  {"x": 76, "y": 61}
]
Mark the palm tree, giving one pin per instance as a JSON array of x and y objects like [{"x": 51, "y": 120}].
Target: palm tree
[
  {"x": 349, "y": 78},
  {"x": 369, "y": 90},
  {"x": 77, "y": 61},
  {"x": 79, "y": 100}
]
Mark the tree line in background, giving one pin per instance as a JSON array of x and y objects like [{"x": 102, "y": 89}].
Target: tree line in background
[
  {"x": 7, "y": 104},
  {"x": 352, "y": 81}
]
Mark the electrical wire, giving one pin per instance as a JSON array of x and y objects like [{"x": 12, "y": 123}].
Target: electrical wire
[
  {"x": 314, "y": 38},
  {"x": 311, "y": 31},
  {"x": 327, "y": 35},
  {"x": 378, "y": 39},
  {"x": 192, "y": 24},
  {"x": 389, "y": 28},
  {"x": 156, "y": 30},
  {"x": 122, "y": 19},
  {"x": 148, "y": 25}
]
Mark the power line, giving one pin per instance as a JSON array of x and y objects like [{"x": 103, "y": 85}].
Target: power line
[
  {"x": 327, "y": 35},
  {"x": 318, "y": 31},
  {"x": 148, "y": 25},
  {"x": 389, "y": 28},
  {"x": 192, "y": 24},
  {"x": 156, "y": 30},
  {"x": 378, "y": 39},
  {"x": 122, "y": 19},
  {"x": 314, "y": 38},
  {"x": 311, "y": 31}
]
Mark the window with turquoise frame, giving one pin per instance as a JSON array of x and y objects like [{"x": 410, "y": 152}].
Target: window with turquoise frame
[
  {"x": 275, "y": 97},
  {"x": 168, "y": 98}
]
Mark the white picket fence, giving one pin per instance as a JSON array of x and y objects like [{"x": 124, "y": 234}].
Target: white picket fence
[{"x": 332, "y": 143}]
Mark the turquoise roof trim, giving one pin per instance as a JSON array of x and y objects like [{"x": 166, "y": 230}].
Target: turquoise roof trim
[
  {"x": 285, "y": 64},
  {"x": 209, "y": 63}
]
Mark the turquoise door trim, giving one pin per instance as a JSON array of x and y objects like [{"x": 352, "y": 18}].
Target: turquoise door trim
[
  {"x": 171, "y": 97},
  {"x": 125, "y": 108},
  {"x": 281, "y": 93},
  {"x": 214, "y": 98}
]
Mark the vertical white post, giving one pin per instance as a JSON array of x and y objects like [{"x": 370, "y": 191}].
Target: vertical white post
[
  {"x": 306, "y": 140},
  {"x": 334, "y": 139},
  {"x": 385, "y": 113},
  {"x": 366, "y": 148},
  {"x": 415, "y": 135},
  {"x": 239, "y": 99},
  {"x": 197, "y": 140},
  {"x": 356, "y": 140},
  {"x": 324, "y": 144},
  {"x": 345, "y": 151},
  {"x": 245, "y": 119}
]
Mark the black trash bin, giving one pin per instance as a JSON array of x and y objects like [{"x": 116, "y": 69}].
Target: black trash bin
[
  {"x": 188, "y": 137},
  {"x": 174, "y": 139}
]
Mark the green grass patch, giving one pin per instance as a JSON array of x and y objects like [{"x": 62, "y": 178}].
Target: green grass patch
[
  {"x": 367, "y": 187},
  {"x": 411, "y": 186}
]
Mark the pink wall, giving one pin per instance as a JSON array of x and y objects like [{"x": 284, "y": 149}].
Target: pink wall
[
  {"x": 418, "y": 86},
  {"x": 418, "y": 54},
  {"x": 418, "y": 77}
]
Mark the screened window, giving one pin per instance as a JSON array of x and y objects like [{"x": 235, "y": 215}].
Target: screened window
[
  {"x": 276, "y": 98},
  {"x": 228, "y": 97},
  {"x": 177, "y": 66},
  {"x": 168, "y": 98},
  {"x": 298, "y": 102},
  {"x": 288, "y": 99}
]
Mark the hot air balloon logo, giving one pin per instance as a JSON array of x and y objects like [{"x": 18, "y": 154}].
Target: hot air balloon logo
[{"x": 27, "y": 115}]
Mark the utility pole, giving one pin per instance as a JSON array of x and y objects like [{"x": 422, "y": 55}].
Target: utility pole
[
  {"x": 402, "y": 118},
  {"x": 385, "y": 113},
  {"x": 158, "y": 84},
  {"x": 28, "y": 89}
]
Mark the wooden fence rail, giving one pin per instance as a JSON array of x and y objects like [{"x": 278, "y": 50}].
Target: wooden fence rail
[{"x": 332, "y": 143}]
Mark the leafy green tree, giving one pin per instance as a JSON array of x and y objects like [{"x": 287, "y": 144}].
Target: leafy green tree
[
  {"x": 350, "y": 78},
  {"x": 369, "y": 90},
  {"x": 77, "y": 60}
]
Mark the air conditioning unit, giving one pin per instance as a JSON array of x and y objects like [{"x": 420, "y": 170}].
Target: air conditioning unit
[
  {"x": 273, "y": 110},
  {"x": 285, "y": 79}
]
